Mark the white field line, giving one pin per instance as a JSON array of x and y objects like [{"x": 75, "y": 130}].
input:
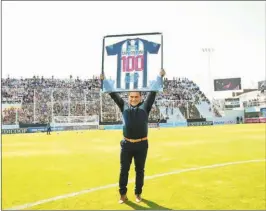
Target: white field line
[{"x": 28, "y": 205}]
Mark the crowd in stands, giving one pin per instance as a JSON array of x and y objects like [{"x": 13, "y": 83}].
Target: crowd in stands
[
  {"x": 9, "y": 116},
  {"x": 42, "y": 98}
]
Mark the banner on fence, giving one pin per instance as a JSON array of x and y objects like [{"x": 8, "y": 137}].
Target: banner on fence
[
  {"x": 10, "y": 126},
  {"x": 14, "y": 131},
  {"x": 205, "y": 123},
  {"x": 255, "y": 120}
]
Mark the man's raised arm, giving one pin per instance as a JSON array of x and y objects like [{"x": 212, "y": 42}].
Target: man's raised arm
[
  {"x": 118, "y": 100},
  {"x": 151, "y": 96},
  {"x": 150, "y": 100}
]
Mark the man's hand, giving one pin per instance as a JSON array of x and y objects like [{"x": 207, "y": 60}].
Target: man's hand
[
  {"x": 102, "y": 77},
  {"x": 162, "y": 73}
]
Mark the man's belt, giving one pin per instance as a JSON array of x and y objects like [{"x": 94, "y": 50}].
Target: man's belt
[{"x": 135, "y": 140}]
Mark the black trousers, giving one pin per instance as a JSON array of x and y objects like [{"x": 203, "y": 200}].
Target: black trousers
[{"x": 138, "y": 151}]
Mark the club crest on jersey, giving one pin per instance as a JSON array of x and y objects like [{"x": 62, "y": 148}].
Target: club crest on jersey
[{"x": 132, "y": 42}]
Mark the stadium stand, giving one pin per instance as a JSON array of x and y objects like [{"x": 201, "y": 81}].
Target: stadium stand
[{"x": 181, "y": 99}]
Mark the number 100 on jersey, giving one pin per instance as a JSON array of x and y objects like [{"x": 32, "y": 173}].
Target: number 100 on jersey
[{"x": 132, "y": 62}]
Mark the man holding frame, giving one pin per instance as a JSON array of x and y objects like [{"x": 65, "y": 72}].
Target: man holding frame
[{"x": 135, "y": 113}]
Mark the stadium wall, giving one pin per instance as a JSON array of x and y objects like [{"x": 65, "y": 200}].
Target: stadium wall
[
  {"x": 10, "y": 126},
  {"x": 201, "y": 123},
  {"x": 255, "y": 120},
  {"x": 224, "y": 120},
  {"x": 234, "y": 113},
  {"x": 17, "y": 130},
  {"x": 14, "y": 129}
]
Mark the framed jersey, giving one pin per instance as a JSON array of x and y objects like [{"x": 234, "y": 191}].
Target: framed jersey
[{"x": 132, "y": 62}]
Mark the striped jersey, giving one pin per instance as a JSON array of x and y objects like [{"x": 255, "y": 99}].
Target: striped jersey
[{"x": 132, "y": 59}]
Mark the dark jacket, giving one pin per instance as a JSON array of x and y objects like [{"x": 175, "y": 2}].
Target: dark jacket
[{"x": 135, "y": 118}]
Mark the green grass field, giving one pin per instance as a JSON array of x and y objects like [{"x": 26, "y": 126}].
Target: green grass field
[{"x": 36, "y": 167}]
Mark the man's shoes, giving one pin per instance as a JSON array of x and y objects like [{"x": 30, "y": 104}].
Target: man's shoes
[
  {"x": 122, "y": 199},
  {"x": 138, "y": 198}
]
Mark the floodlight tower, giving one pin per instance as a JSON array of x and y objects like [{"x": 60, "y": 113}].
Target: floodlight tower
[
  {"x": 209, "y": 52},
  {"x": 210, "y": 82}
]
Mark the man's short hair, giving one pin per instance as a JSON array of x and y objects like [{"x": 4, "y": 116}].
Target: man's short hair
[{"x": 136, "y": 91}]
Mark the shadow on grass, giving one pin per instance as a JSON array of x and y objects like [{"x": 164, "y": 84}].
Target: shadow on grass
[{"x": 151, "y": 205}]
